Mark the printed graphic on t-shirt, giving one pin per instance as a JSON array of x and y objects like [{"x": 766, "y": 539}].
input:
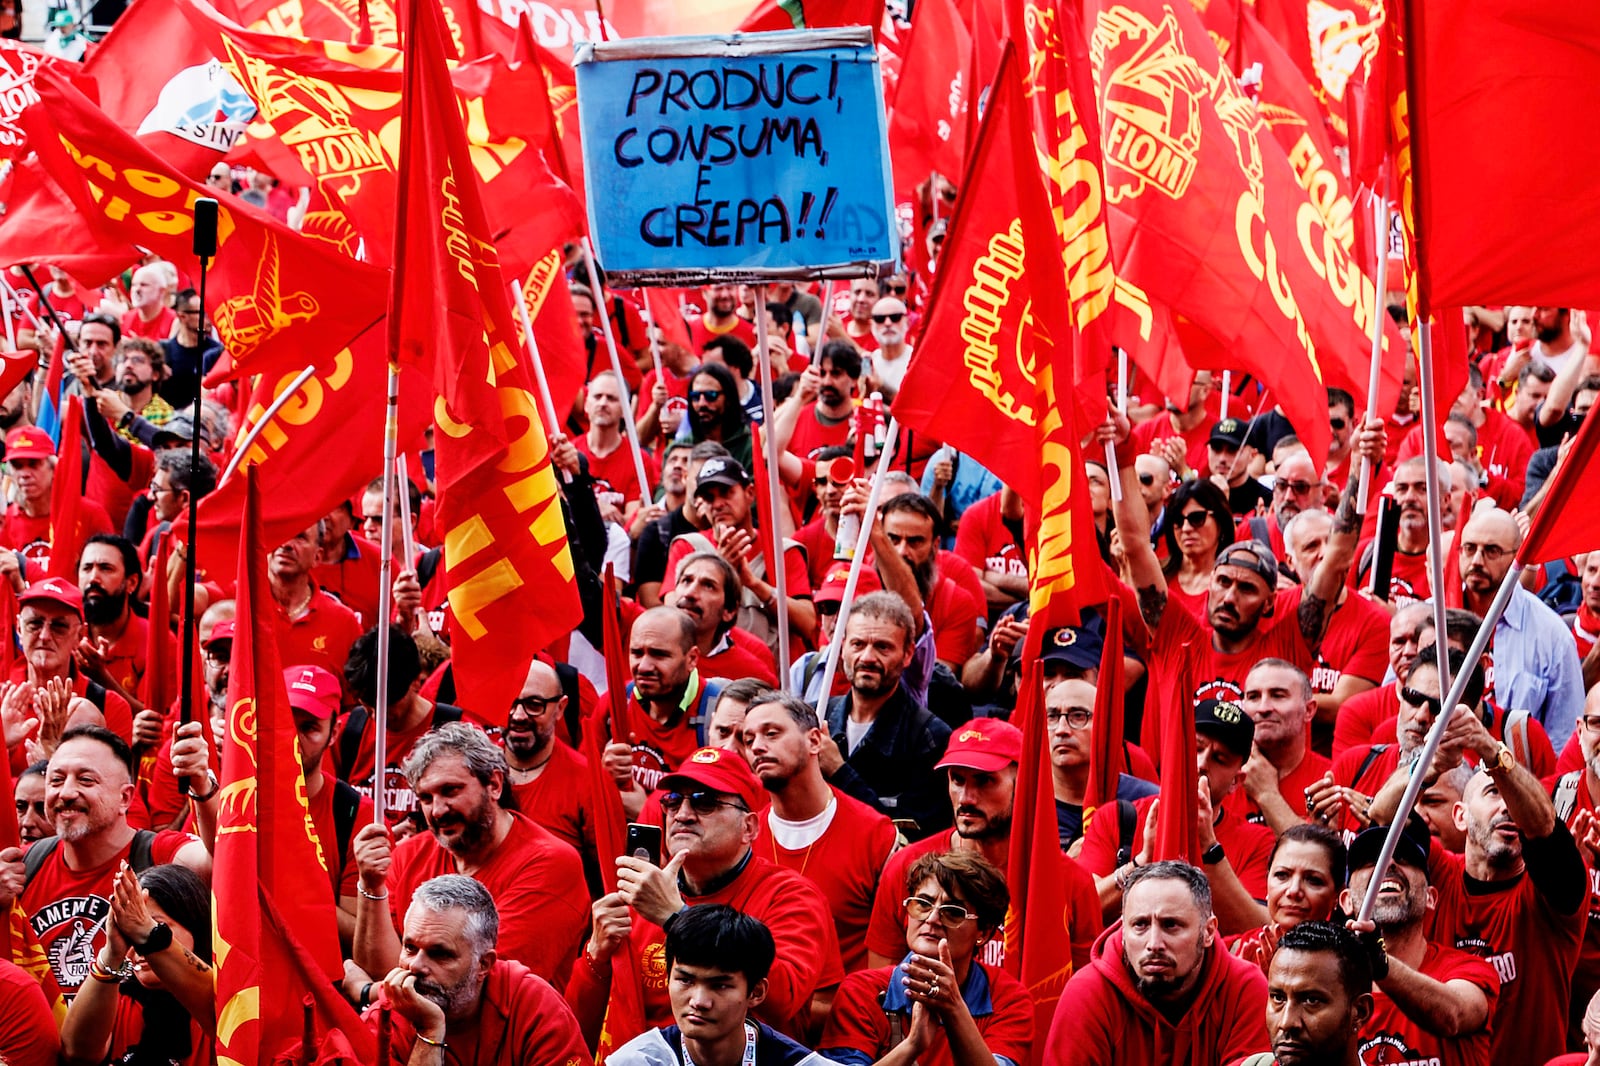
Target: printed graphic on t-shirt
[{"x": 71, "y": 928}]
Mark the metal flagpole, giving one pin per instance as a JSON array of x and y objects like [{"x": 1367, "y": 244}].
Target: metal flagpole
[
  {"x": 1227, "y": 392},
  {"x": 1111, "y": 446},
  {"x": 380, "y": 713},
  {"x": 868, "y": 516},
  {"x": 1381, "y": 220},
  {"x": 1456, "y": 689},
  {"x": 1430, "y": 448},
  {"x": 645, "y": 488},
  {"x": 779, "y": 580},
  {"x": 408, "y": 542},
  {"x": 261, "y": 423}
]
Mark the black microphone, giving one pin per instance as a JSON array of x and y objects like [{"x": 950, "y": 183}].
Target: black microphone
[{"x": 205, "y": 228}]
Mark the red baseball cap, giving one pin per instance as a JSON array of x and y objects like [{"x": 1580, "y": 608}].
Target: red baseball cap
[
  {"x": 832, "y": 588},
  {"x": 312, "y": 690},
  {"x": 986, "y": 744},
  {"x": 29, "y": 442},
  {"x": 53, "y": 590},
  {"x": 720, "y": 771},
  {"x": 223, "y": 630}
]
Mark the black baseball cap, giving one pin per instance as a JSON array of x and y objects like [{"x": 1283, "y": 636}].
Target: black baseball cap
[
  {"x": 1078, "y": 645},
  {"x": 1254, "y": 556},
  {"x": 1226, "y": 721},
  {"x": 1229, "y": 433},
  {"x": 721, "y": 471},
  {"x": 1411, "y": 849}
]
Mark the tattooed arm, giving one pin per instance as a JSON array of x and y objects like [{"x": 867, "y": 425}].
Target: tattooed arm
[
  {"x": 1321, "y": 593},
  {"x": 1133, "y": 527}
]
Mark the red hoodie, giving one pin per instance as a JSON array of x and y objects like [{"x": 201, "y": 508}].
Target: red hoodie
[{"x": 1101, "y": 1019}]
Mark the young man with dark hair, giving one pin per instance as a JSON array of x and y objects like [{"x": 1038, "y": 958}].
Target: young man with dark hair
[
  {"x": 717, "y": 965},
  {"x": 819, "y": 412},
  {"x": 1319, "y": 998}
]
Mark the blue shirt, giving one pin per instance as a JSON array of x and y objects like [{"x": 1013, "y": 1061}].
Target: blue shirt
[
  {"x": 1536, "y": 667},
  {"x": 971, "y": 483}
]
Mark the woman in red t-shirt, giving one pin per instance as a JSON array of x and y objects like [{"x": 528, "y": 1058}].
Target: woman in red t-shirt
[
  {"x": 159, "y": 1007},
  {"x": 1304, "y": 877},
  {"x": 950, "y": 1009},
  {"x": 1195, "y": 526}
]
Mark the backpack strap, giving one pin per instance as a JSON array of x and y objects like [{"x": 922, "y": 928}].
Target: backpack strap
[
  {"x": 1565, "y": 798},
  {"x": 1259, "y": 530},
  {"x": 346, "y": 804},
  {"x": 710, "y": 689},
  {"x": 428, "y": 565},
  {"x": 1264, "y": 1058},
  {"x": 38, "y": 852},
  {"x": 141, "y": 853},
  {"x": 1127, "y": 816},
  {"x": 444, "y": 714},
  {"x": 95, "y": 693},
  {"x": 355, "y": 724},
  {"x": 1371, "y": 757}
]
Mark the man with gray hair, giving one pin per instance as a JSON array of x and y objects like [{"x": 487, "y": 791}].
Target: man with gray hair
[
  {"x": 459, "y": 777},
  {"x": 456, "y": 997}
]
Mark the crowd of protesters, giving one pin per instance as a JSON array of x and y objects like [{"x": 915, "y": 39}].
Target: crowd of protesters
[{"x": 827, "y": 869}]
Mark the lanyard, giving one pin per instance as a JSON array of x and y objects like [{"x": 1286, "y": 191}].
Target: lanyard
[{"x": 749, "y": 1047}]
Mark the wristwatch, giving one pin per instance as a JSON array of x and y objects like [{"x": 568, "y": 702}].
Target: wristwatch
[
  {"x": 1504, "y": 761},
  {"x": 212, "y": 785},
  {"x": 1212, "y": 855},
  {"x": 160, "y": 939}
]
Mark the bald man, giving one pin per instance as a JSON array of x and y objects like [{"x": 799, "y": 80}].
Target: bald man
[
  {"x": 151, "y": 315},
  {"x": 549, "y": 778},
  {"x": 1296, "y": 487},
  {"x": 1536, "y": 666}
]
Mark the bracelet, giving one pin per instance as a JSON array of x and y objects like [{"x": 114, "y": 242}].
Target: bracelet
[
  {"x": 440, "y": 1044},
  {"x": 103, "y": 975},
  {"x": 365, "y": 999},
  {"x": 369, "y": 895}
]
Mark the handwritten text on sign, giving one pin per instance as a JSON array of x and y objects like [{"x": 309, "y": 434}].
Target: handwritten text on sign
[{"x": 752, "y": 161}]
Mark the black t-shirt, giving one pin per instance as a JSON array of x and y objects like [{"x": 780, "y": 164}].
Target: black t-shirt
[
  {"x": 650, "y": 554},
  {"x": 1266, "y": 430},
  {"x": 1243, "y": 497}
]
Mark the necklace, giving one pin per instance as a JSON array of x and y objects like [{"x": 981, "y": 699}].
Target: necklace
[
  {"x": 516, "y": 770},
  {"x": 300, "y": 608}
]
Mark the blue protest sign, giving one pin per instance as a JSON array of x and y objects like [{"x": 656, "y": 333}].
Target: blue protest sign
[{"x": 747, "y": 157}]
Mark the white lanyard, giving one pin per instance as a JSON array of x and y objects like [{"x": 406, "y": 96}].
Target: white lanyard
[{"x": 749, "y": 1047}]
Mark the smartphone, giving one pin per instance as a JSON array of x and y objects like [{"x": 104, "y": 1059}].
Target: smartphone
[
  {"x": 644, "y": 842},
  {"x": 1384, "y": 546}
]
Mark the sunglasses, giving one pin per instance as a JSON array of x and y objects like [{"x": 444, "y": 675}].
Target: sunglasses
[
  {"x": 704, "y": 394},
  {"x": 699, "y": 802},
  {"x": 1299, "y": 488},
  {"x": 898, "y": 290},
  {"x": 1337, "y": 424},
  {"x": 881, "y": 319},
  {"x": 950, "y": 914},
  {"x": 1417, "y": 699},
  {"x": 1193, "y": 519},
  {"x": 1147, "y": 480}
]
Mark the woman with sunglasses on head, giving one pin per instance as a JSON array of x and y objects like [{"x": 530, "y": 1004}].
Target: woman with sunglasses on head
[
  {"x": 1304, "y": 876},
  {"x": 941, "y": 1006},
  {"x": 1196, "y": 525},
  {"x": 149, "y": 998}
]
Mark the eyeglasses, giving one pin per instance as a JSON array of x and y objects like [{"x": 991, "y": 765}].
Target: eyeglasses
[
  {"x": 1337, "y": 424},
  {"x": 704, "y": 394},
  {"x": 188, "y": 310},
  {"x": 1417, "y": 699},
  {"x": 1591, "y": 722},
  {"x": 60, "y": 627},
  {"x": 898, "y": 290},
  {"x": 23, "y": 807},
  {"x": 950, "y": 914},
  {"x": 217, "y": 653},
  {"x": 1077, "y": 718},
  {"x": 536, "y": 706},
  {"x": 699, "y": 802},
  {"x": 881, "y": 319},
  {"x": 1299, "y": 488},
  {"x": 1492, "y": 553},
  {"x": 1193, "y": 519}
]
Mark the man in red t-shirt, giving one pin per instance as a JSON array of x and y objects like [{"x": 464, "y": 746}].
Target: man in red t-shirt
[
  {"x": 720, "y": 318},
  {"x": 1518, "y": 897},
  {"x": 992, "y": 542},
  {"x": 819, "y": 412},
  {"x": 710, "y": 804},
  {"x": 67, "y": 900},
  {"x": 610, "y": 453},
  {"x": 1503, "y": 446},
  {"x": 980, "y": 766},
  {"x": 1278, "y": 698},
  {"x": 1409, "y": 579},
  {"x": 549, "y": 779},
  {"x": 832, "y": 840},
  {"x": 1189, "y": 423},
  {"x": 537, "y": 881},
  {"x": 349, "y": 567},
  {"x": 451, "y": 988},
  {"x": 907, "y": 529},
  {"x": 113, "y": 651},
  {"x": 50, "y": 631},
  {"x": 708, "y": 590},
  {"x": 313, "y": 628},
  {"x": 31, "y": 455},
  {"x": 150, "y": 317},
  {"x": 1433, "y": 1003}
]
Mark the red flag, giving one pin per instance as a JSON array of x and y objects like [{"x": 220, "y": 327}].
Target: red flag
[
  {"x": 1177, "y": 836},
  {"x": 1450, "y": 373},
  {"x": 17, "y": 64},
  {"x": 551, "y": 106},
  {"x": 1562, "y": 528},
  {"x": 928, "y": 127},
  {"x": 66, "y": 539},
  {"x": 269, "y": 288},
  {"x": 667, "y": 316},
  {"x": 266, "y": 849},
  {"x": 996, "y": 380},
  {"x": 158, "y": 687},
  {"x": 549, "y": 302},
  {"x": 1109, "y": 758},
  {"x": 812, "y": 15},
  {"x": 624, "y": 1016},
  {"x": 41, "y": 224},
  {"x": 507, "y": 565},
  {"x": 1525, "y": 65},
  {"x": 1038, "y": 947}
]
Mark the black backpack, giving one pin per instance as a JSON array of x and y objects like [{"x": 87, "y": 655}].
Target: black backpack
[
  {"x": 140, "y": 854},
  {"x": 355, "y": 725}
]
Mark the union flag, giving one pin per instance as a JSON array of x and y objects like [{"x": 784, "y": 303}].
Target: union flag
[
  {"x": 66, "y": 538},
  {"x": 267, "y": 293},
  {"x": 267, "y": 851},
  {"x": 508, "y": 569},
  {"x": 1561, "y": 530}
]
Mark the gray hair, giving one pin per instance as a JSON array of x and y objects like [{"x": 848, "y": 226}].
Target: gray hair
[
  {"x": 884, "y": 606},
  {"x": 484, "y": 758},
  {"x": 449, "y": 892},
  {"x": 804, "y": 715},
  {"x": 1172, "y": 870}
]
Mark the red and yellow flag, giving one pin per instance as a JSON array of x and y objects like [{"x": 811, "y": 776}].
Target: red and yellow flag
[
  {"x": 266, "y": 846},
  {"x": 508, "y": 568},
  {"x": 18, "y": 944},
  {"x": 277, "y": 299}
]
